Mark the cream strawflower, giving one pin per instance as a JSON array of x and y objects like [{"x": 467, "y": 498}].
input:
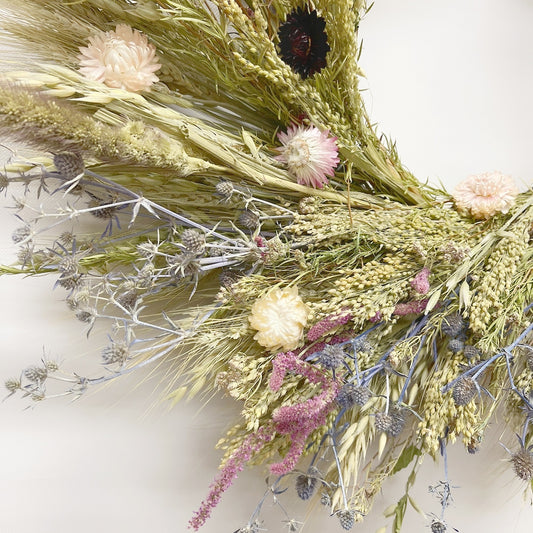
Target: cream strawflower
[
  {"x": 310, "y": 154},
  {"x": 122, "y": 59},
  {"x": 485, "y": 195},
  {"x": 279, "y": 318}
]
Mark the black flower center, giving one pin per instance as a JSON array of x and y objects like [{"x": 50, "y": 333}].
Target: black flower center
[{"x": 303, "y": 42}]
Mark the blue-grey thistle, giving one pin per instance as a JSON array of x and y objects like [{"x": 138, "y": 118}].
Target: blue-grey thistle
[
  {"x": 332, "y": 356},
  {"x": 464, "y": 390},
  {"x": 453, "y": 325}
]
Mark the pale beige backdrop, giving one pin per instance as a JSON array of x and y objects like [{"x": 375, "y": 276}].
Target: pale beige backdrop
[{"x": 451, "y": 81}]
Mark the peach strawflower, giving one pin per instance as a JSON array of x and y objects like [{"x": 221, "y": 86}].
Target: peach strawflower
[
  {"x": 279, "y": 318},
  {"x": 122, "y": 59},
  {"x": 310, "y": 154},
  {"x": 485, "y": 195}
]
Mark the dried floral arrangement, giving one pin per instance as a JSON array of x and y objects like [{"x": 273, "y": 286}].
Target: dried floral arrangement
[{"x": 216, "y": 192}]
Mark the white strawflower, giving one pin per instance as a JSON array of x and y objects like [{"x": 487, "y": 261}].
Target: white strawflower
[
  {"x": 310, "y": 154},
  {"x": 279, "y": 318},
  {"x": 485, "y": 195},
  {"x": 122, "y": 59}
]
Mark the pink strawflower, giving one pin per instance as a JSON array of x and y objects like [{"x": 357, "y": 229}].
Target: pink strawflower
[
  {"x": 310, "y": 154},
  {"x": 235, "y": 464},
  {"x": 122, "y": 59},
  {"x": 420, "y": 282},
  {"x": 485, "y": 195}
]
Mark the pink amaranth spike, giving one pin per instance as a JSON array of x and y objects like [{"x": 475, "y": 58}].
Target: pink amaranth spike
[{"x": 328, "y": 324}]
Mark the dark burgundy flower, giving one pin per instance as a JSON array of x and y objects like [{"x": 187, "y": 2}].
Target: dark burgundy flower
[{"x": 303, "y": 42}]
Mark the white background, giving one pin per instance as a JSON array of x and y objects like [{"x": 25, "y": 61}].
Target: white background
[{"x": 451, "y": 82}]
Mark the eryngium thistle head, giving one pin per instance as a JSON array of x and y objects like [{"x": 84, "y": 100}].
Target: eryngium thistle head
[
  {"x": 464, "y": 390},
  {"x": 398, "y": 422},
  {"x": 456, "y": 345},
  {"x": 303, "y": 42},
  {"x": 228, "y": 277},
  {"x": 437, "y": 526},
  {"x": 325, "y": 499},
  {"x": 391, "y": 423},
  {"x": 529, "y": 358},
  {"x": 116, "y": 353},
  {"x": 35, "y": 374},
  {"x": 20, "y": 234},
  {"x": 193, "y": 240},
  {"x": 332, "y": 356},
  {"x": 69, "y": 164},
  {"x": 249, "y": 219},
  {"x": 351, "y": 394},
  {"x": 346, "y": 519},
  {"x": 128, "y": 299},
  {"x": 383, "y": 421},
  {"x": 85, "y": 315},
  {"x": 224, "y": 189},
  {"x": 470, "y": 352},
  {"x": 453, "y": 325},
  {"x": 12, "y": 385},
  {"x": 523, "y": 464},
  {"x": 306, "y": 483}
]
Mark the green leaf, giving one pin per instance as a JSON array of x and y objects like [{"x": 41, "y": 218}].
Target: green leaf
[
  {"x": 399, "y": 514},
  {"x": 408, "y": 454}
]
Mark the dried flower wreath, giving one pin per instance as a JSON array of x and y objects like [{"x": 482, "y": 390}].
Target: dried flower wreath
[{"x": 260, "y": 237}]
